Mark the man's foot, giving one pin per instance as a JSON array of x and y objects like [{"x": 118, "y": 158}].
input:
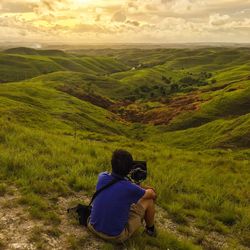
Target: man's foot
[{"x": 151, "y": 231}]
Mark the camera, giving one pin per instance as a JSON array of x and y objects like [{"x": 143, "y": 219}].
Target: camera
[{"x": 138, "y": 172}]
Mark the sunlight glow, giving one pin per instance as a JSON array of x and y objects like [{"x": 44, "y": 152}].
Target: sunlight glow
[
  {"x": 151, "y": 21},
  {"x": 80, "y": 2}
]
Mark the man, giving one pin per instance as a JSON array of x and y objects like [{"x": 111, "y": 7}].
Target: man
[{"x": 119, "y": 210}]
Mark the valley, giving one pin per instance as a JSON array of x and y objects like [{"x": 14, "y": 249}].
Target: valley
[{"x": 184, "y": 110}]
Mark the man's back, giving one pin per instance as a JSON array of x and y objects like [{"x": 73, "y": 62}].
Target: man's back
[{"x": 111, "y": 207}]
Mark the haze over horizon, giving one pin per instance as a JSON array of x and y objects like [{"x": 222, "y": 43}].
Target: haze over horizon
[{"x": 127, "y": 21}]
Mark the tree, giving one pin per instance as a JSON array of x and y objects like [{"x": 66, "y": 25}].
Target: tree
[
  {"x": 144, "y": 88},
  {"x": 213, "y": 81},
  {"x": 174, "y": 87},
  {"x": 188, "y": 80},
  {"x": 166, "y": 79},
  {"x": 162, "y": 90}
]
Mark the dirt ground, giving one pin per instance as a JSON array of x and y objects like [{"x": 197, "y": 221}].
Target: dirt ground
[
  {"x": 164, "y": 114},
  {"x": 19, "y": 231}
]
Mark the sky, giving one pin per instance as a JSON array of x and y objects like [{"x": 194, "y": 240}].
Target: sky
[{"x": 125, "y": 21}]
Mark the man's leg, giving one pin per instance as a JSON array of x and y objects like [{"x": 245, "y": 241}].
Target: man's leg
[{"x": 149, "y": 206}]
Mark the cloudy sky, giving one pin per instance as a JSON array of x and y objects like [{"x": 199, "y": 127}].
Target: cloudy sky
[{"x": 125, "y": 21}]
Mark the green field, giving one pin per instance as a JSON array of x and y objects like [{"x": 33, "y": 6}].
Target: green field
[{"x": 185, "y": 111}]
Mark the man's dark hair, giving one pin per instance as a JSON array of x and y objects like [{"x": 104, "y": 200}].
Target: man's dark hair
[{"x": 121, "y": 162}]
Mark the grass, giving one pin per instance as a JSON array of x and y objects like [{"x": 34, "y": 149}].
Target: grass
[
  {"x": 40, "y": 208},
  {"x": 37, "y": 239},
  {"x": 54, "y": 144},
  {"x": 27, "y": 64},
  {"x": 2, "y": 245},
  {"x": 164, "y": 240},
  {"x": 230, "y": 133},
  {"x": 77, "y": 243},
  {"x": 3, "y": 189},
  {"x": 228, "y": 104},
  {"x": 62, "y": 165}
]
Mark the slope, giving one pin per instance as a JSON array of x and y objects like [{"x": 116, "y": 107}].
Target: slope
[
  {"x": 29, "y": 63},
  {"x": 53, "y": 145},
  {"x": 34, "y": 105}
]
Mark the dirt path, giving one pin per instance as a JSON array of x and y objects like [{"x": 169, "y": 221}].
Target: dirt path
[
  {"x": 15, "y": 227},
  {"x": 19, "y": 231}
]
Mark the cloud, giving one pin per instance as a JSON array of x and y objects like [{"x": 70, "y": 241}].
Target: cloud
[
  {"x": 133, "y": 20},
  {"x": 218, "y": 20},
  {"x": 119, "y": 16},
  {"x": 133, "y": 23},
  {"x": 90, "y": 28},
  {"x": 16, "y": 7},
  {"x": 44, "y": 6}
]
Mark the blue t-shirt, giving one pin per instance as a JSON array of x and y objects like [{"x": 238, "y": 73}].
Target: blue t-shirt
[{"x": 111, "y": 207}]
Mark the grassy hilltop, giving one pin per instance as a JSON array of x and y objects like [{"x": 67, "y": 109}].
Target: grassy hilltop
[{"x": 185, "y": 111}]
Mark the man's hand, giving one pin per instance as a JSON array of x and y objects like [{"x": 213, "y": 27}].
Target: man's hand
[
  {"x": 147, "y": 187},
  {"x": 149, "y": 194}
]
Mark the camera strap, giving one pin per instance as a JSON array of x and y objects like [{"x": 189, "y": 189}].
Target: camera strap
[{"x": 103, "y": 188}]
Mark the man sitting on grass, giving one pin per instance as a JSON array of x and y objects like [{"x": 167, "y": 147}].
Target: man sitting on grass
[{"x": 119, "y": 210}]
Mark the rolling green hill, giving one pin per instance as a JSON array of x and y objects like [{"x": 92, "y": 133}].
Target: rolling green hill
[
  {"x": 227, "y": 105},
  {"x": 185, "y": 111},
  {"x": 29, "y": 51},
  {"x": 34, "y": 105},
  {"x": 22, "y": 63}
]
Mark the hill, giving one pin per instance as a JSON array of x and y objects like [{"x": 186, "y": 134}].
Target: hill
[
  {"x": 24, "y": 63},
  {"x": 185, "y": 111},
  {"x": 29, "y": 51}
]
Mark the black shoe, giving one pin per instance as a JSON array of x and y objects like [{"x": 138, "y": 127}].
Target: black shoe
[{"x": 151, "y": 231}]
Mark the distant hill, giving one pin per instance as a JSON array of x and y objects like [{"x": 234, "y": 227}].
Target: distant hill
[
  {"x": 23, "y": 63},
  {"x": 179, "y": 89},
  {"x": 30, "y": 51}
]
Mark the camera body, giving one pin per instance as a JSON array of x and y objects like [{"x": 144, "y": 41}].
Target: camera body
[{"x": 138, "y": 172}]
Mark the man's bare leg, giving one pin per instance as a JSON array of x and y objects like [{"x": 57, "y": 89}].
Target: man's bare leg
[{"x": 149, "y": 206}]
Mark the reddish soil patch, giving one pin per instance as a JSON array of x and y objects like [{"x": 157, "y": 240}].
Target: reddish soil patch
[
  {"x": 93, "y": 98},
  {"x": 128, "y": 111},
  {"x": 139, "y": 112},
  {"x": 160, "y": 115},
  {"x": 173, "y": 108}
]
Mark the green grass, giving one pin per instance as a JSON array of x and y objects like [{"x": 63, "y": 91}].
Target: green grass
[
  {"x": 164, "y": 240},
  {"x": 40, "y": 208},
  {"x": 54, "y": 165},
  {"x": 40, "y": 106},
  {"x": 231, "y": 133},
  {"x": 54, "y": 144},
  {"x": 17, "y": 67},
  {"x": 227, "y": 105},
  {"x": 3, "y": 189},
  {"x": 77, "y": 243}
]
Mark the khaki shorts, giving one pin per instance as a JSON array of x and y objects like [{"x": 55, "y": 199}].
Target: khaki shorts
[{"x": 135, "y": 219}]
